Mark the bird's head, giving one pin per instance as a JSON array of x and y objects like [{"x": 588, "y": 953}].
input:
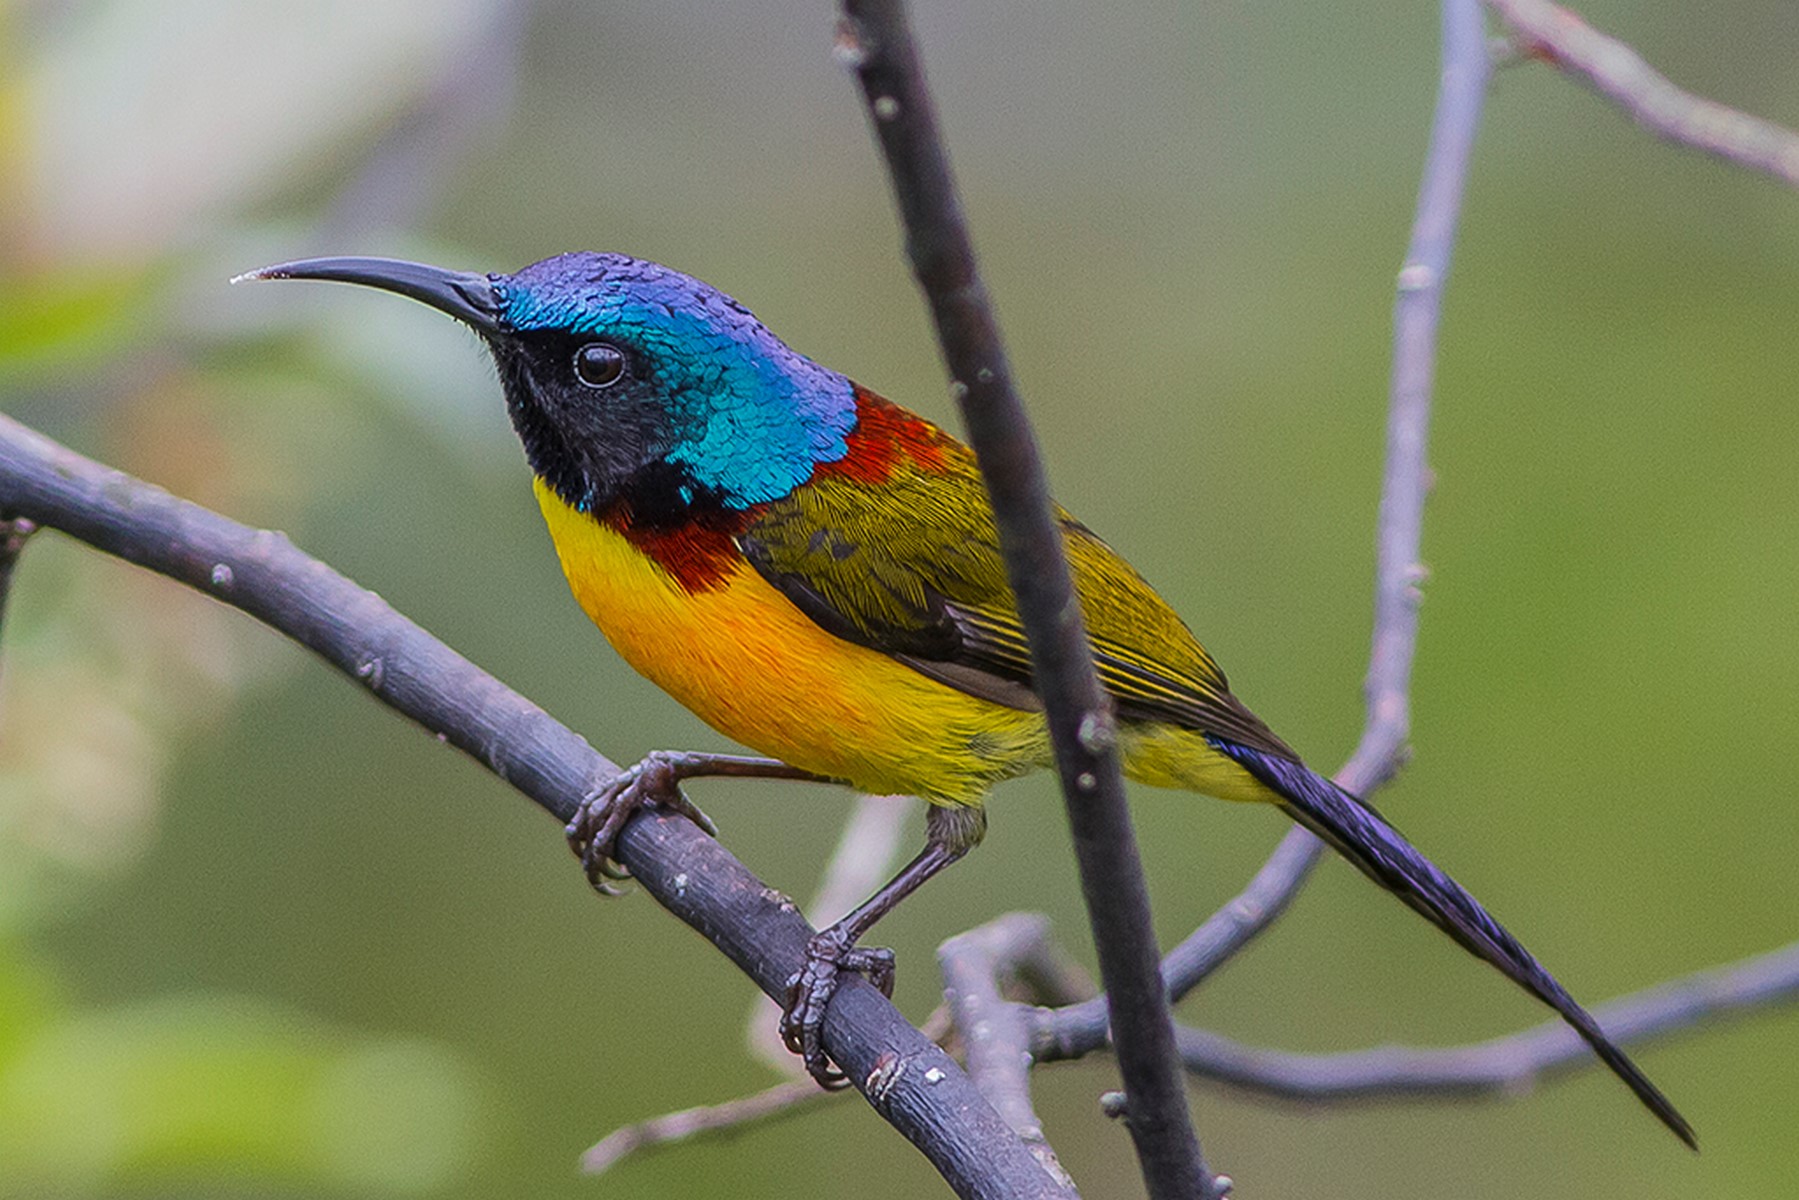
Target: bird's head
[{"x": 628, "y": 381}]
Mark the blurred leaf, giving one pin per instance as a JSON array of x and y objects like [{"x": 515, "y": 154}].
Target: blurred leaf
[
  {"x": 28, "y": 998},
  {"x": 68, "y": 319},
  {"x": 128, "y": 148},
  {"x": 107, "y": 669},
  {"x": 196, "y": 1088}
]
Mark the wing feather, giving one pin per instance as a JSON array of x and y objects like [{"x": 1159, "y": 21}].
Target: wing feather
[{"x": 910, "y": 566}]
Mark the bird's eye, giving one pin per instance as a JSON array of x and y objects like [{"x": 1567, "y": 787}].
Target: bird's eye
[{"x": 599, "y": 365}]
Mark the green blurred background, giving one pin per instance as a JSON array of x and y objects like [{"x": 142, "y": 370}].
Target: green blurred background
[{"x": 259, "y": 937}]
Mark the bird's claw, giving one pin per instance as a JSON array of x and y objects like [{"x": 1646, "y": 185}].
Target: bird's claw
[
  {"x": 809, "y": 992},
  {"x": 653, "y": 783}
]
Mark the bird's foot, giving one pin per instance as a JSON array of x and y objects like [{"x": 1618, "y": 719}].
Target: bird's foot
[
  {"x": 809, "y": 993},
  {"x": 653, "y": 783}
]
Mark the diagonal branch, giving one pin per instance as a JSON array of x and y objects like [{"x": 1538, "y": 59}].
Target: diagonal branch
[
  {"x": 996, "y": 1047},
  {"x": 783, "y": 1099},
  {"x": 1621, "y": 75},
  {"x": 907, "y": 1079},
  {"x": 876, "y": 38},
  {"x": 1081, "y": 1028}
]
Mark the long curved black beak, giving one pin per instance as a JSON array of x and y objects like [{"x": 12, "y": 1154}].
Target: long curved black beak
[{"x": 468, "y": 297}]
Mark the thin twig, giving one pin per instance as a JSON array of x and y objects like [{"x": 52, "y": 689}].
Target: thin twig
[
  {"x": 876, "y": 39},
  {"x": 1461, "y": 97},
  {"x": 906, "y": 1077},
  {"x": 1075, "y": 1030},
  {"x": 1505, "y": 1066},
  {"x": 789, "y": 1096},
  {"x": 732, "y": 1116},
  {"x": 1399, "y": 531},
  {"x": 994, "y": 1037},
  {"x": 1619, "y": 73},
  {"x": 13, "y": 535}
]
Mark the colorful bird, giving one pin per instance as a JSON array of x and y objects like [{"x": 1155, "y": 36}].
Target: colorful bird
[{"x": 815, "y": 572}]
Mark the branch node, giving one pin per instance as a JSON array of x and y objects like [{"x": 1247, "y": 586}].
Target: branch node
[
  {"x": 887, "y": 1071},
  {"x": 266, "y": 543},
  {"x": 371, "y": 670},
  {"x": 1098, "y": 732},
  {"x": 1416, "y": 277},
  {"x": 13, "y": 535},
  {"x": 846, "y": 46},
  {"x": 779, "y": 899}
]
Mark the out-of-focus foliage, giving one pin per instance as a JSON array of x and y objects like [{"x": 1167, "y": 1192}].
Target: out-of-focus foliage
[
  {"x": 258, "y": 936},
  {"x": 134, "y": 138}
]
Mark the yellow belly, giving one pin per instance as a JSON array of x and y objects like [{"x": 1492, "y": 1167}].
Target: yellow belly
[{"x": 755, "y": 668}]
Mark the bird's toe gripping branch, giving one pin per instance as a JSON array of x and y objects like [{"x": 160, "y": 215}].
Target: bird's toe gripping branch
[
  {"x": 655, "y": 783},
  {"x": 949, "y": 833},
  {"x": 809, "y": 992}
]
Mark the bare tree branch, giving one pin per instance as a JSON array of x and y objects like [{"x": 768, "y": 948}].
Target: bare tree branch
[
  {"x": 1073, "y": 1031},
  {"x": 982, "y": 969},
  {"x": 14, "y": 533},
  {"x": 906, "y": 1077},
  {"x": 876, "y": 39},
  {"x": 1502, "y": 1066},
  {"x": 1506, "y": 1066},
  {"x": 1079, "y": 1029},
  {"x": 1461, "y": 97},
  {"x": 786, "y": 1097},
  {"x": 1620, "y": 74},
  {"x": 732, "y": 1116},
  {"x": 994, "y": 1036},
  {"x": 1010, "y": 1038}
]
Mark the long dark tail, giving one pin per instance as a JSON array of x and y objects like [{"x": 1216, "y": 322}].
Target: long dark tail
[{"x": 1359, "y": 834}]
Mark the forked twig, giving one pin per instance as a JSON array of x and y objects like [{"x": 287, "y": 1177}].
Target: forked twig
[{"x": 1399, "y": 534}]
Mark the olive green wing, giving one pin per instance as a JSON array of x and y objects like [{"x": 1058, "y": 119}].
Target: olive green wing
[{"x": 911, "y": 567}]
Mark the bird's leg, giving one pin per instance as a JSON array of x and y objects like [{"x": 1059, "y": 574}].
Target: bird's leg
[
  {"x": 656, "y": 783},
  {"x": 949, "y": 834}
]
